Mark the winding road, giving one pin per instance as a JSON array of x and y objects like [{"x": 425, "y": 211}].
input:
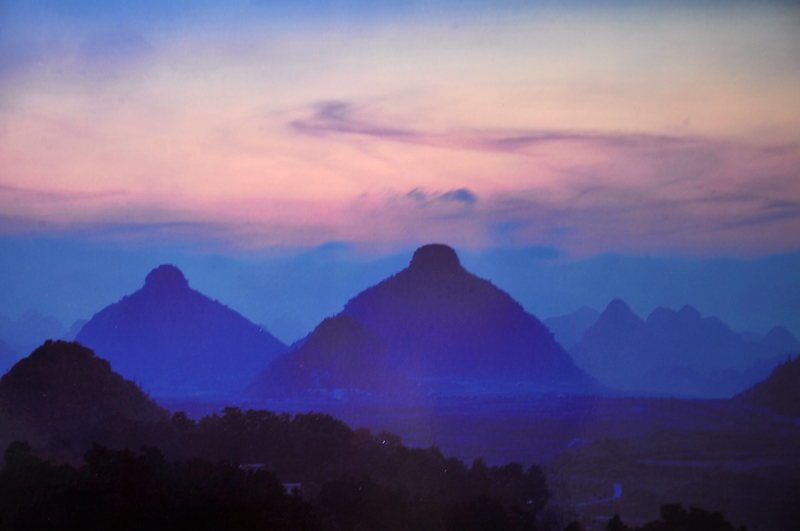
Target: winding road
[{"x": 617, "y": 495}]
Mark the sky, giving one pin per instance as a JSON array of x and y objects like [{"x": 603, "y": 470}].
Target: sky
[{"x": 262, "y": 134}]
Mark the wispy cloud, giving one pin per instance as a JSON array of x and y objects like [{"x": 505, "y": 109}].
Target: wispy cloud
[
  {"x": 347, "y": 120},
  {"x": 461, "y": 195},
  {"x": 16, "y": 193},
  {"x": 339, "y": 117}
]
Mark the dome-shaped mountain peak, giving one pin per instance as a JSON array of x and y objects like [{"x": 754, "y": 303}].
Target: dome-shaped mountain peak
[
  {"x": 618, "y": 306},
  {"x": 435, "y": 257},
  {"x": 166, "y": 276}
]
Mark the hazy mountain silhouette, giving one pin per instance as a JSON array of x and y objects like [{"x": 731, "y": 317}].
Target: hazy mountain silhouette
[
  {"x": 74, "y": 330},
  {"x": 780, "y": 392},
  {"x": 609, "y": 349},
  {"x": 29, "y": 331},
  {"x": 64, "y": 384},
  {"x": 675, "y": 352},
  {"x": 777, "y": 342},
  {"x": 442, "y": 325},
  {"x": 340, "y": 356},
  {"x": 569, "y": 329},
  {"x": 176, "y": 341}
]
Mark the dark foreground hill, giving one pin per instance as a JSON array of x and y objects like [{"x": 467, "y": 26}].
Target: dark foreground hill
[
  {"x": 62, "y": 388},
  {"x": 446, "y": 329},
  {"x": 176, "y": 341},
  {"x": 677, "y": 353},
  {"x": 780, "y": 392},
  {"x": 229, "y": 469}
]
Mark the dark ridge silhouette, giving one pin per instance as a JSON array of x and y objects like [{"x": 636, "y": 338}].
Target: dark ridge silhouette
[
  {"x": 677, "y": 353},
  {"x": 569, "y": 329},
  {"x": 780, "y": 392},
  {"x": 178, "y": 342},
  {"x": 443, "y": 325},
  {"x": 341, "y": 356},
  {"x": 64, "y": 385}
]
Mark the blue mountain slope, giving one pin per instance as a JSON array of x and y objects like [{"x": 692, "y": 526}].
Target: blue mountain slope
[
  {"x": 339, "y": 357},
  {"x": 444, "y": 326},
  {"x": 176, "y": 341}
]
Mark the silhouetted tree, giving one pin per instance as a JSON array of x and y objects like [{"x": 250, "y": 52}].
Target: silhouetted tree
[
  {"x": 124, "y": 490},
  {"x": 616, "y": 524},
  {"x": 675, "y": 518}
]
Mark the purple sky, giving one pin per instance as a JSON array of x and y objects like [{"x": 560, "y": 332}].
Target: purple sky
[
  {"x": 625, "y": 127},
  {"x": 244, "y": 129}
]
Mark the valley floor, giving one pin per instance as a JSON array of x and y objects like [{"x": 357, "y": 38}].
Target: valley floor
[{"x": 603, "y": 455}]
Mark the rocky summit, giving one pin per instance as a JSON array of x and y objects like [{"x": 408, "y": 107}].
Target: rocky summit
[{"x": 435, "y": 257}]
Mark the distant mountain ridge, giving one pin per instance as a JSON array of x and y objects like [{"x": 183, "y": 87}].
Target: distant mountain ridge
[
  {"x": 178, "y": 342},
  {"x": 676, "y": 353},
  {"x": 74, "y": 330},
  {"x": 29, "y": 330},
  {"x": 450, "y": 329},
  {"x": 569, "y": 329}
]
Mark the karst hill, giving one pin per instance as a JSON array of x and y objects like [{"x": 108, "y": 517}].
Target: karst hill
[
  {"x": 443, "y": 327},
  {"x": 178, "y": 342}
]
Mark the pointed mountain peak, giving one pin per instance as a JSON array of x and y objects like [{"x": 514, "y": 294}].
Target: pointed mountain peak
[
  {"x": 166, "y": 276},
  {"x": 435, "y": 257},
  {"x": 618, "y": 306},
  {"x": 618, "y": 313}
]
